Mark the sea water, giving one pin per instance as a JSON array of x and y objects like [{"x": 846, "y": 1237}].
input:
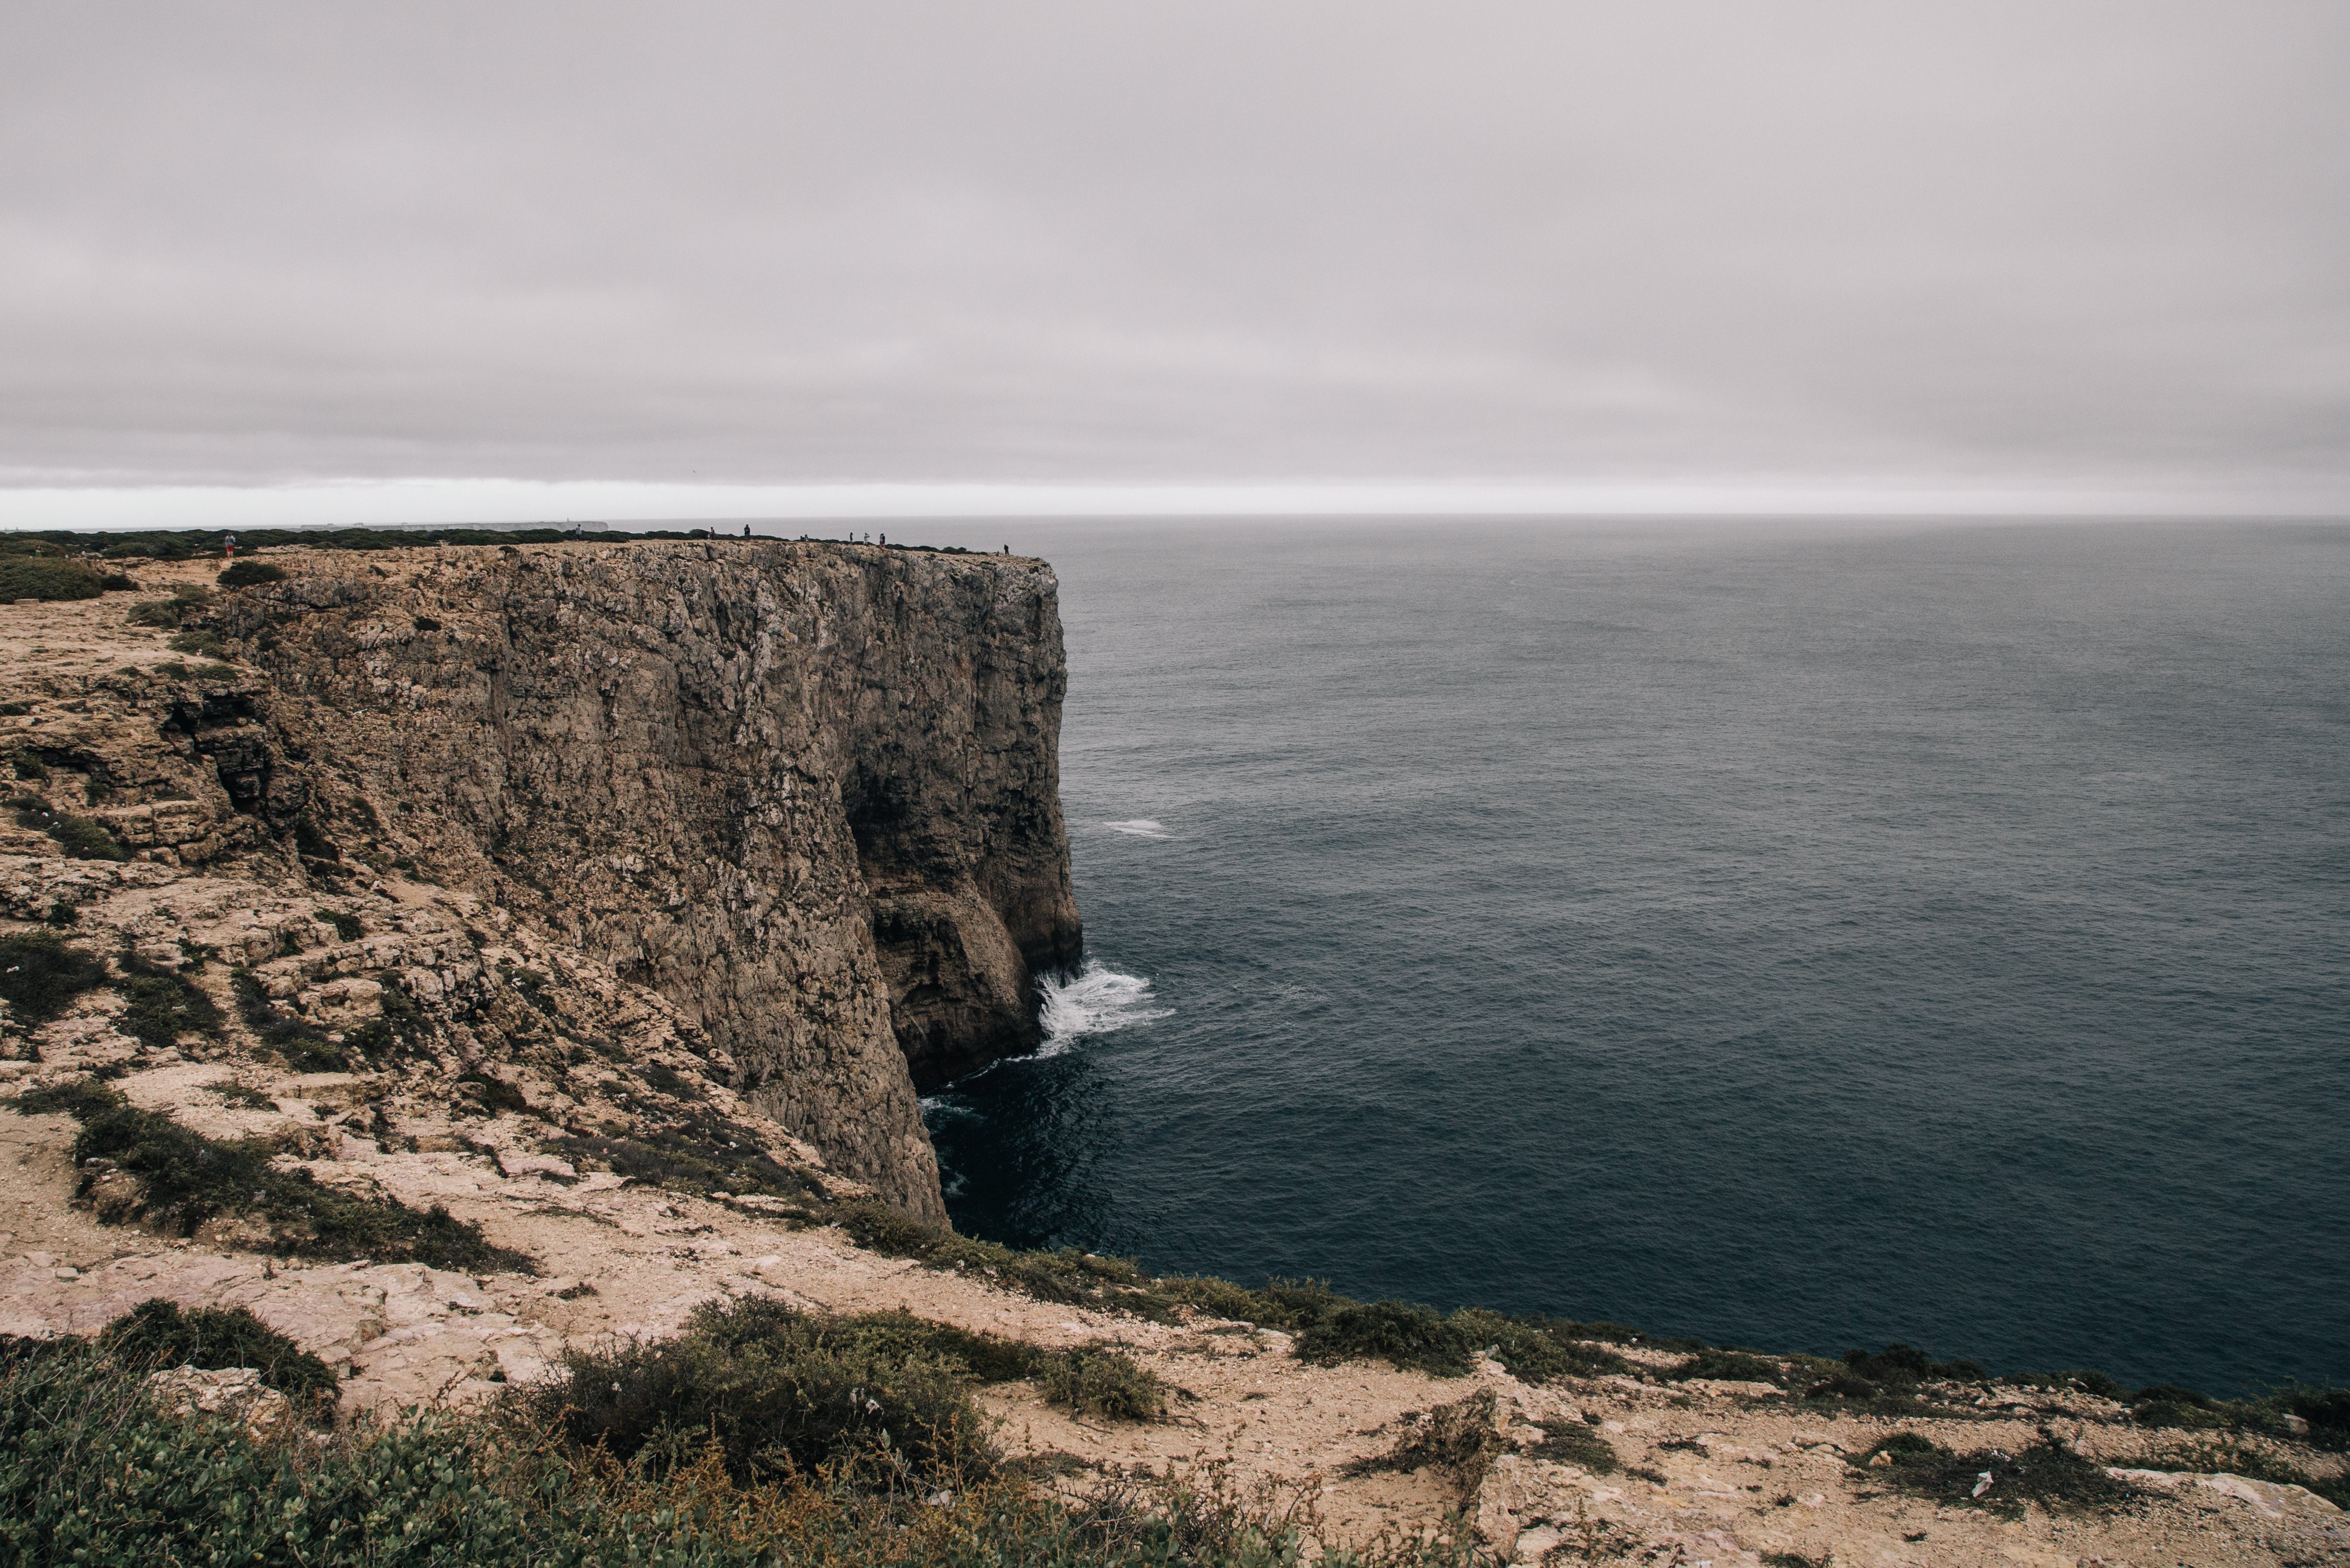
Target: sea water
[{"x": 1799, "y": 936}]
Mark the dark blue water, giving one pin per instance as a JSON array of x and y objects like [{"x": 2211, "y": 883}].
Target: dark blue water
[{"x": 1794, "y": 937}]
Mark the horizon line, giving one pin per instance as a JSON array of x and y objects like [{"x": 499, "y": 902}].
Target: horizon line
[{"x": 463, "y": 502}]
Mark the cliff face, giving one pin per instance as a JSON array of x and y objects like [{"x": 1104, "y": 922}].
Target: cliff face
[{"x": 809, "y": 792}]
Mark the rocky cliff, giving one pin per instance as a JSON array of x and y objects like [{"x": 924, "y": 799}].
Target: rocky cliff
[{"x": 809, "y": 792}]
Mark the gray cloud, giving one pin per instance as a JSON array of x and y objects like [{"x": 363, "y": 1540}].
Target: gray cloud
[{"x": 2086, "y": 244}]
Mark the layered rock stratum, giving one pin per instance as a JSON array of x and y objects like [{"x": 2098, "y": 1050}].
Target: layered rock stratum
[{"x": 618, "y": 899}]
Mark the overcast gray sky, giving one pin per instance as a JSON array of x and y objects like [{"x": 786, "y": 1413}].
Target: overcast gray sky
[{"x": 2084, "y": 250}]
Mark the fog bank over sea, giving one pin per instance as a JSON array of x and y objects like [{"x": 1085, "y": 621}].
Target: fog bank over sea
[{"x": 1790, "y": 935}]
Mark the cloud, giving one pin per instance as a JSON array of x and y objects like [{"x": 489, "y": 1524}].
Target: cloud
[{"x": 2080, "y": 251}]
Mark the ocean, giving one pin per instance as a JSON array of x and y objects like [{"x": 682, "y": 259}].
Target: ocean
[{"x": 1793, "y": 935}]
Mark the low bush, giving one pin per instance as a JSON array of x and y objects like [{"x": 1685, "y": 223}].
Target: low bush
[
  {"x": 1538, "y": 1349},
  {"x": 157, "y": 1334},
  {"x": 1408, "y": 1337},
  {"x": 1989, "y": 1478},
  {"x": 779, "y": 1394},
  {"x": 186, "y": 1178},
  {"x": 163, "y": 1003},
  {"x": 48, "y": 577},
  {"x": 2167, "y": 1405},
  {"x": 40, "y": 974},
  {"x": 245, "y": 574},
  {"x": 1096, "y": 1381},
  {"x": 204, "y": 644}
]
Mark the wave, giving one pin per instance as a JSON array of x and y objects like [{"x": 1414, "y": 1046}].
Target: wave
[
  {"x": 1096, "y": 1001},
  {"x": 1140, "y": 827}
]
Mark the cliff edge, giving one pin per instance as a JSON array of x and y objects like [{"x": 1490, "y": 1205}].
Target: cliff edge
[{"x": 807, "y": 792}]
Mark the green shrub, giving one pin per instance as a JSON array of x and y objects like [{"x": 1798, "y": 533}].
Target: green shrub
[
  {"x": 1096, "y": 1381},
  {"x": 2046, "y": 1474},
  {"x": 157, "y": 1334},
  {"x": 779, "y": 1392},
  {"x": 48, "y": 577},
  {"x": 1728, "y": 1367},
  {"x": 29, "y": 766},
  {"x": 163, "y": 1005},
  {"x": 1408, "y": 1337},
  {"x": 40, "y": 974},
  {"x": 245, "y": 574},
  {"x": 205, "y": 643}
]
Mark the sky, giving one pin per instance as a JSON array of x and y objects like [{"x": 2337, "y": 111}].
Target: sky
[{"x": 293, "y": 262}]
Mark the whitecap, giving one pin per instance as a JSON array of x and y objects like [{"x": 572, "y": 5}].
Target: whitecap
[
  {"x": 1096, "y": 1001},
  {"x": 1140, "y": 827}
]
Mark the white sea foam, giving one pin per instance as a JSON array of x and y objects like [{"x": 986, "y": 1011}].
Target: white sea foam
[
  {"x": 1140, "y": 827},
  {"x": 1096, "y": 1002}
]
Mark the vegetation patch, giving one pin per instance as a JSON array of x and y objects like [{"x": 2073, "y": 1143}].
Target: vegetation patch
[
  {"x": 244, "y": 1096},
  {"x": 246, "y": 573},
  {"x": 1459, "y": 1438},
  {"x": 185, "y": 1179},
  {"x": 702, "y": 1154},
  {"x": 1991, "y": 1479},
  {"x": 166, "y": 615},
  {"x": 779, "y": 1394},
  {"x": 163, "y": 1005},
  {"x": 1576, "y": 1443},
  {"x": 1730, "y": 1366},
  {"x": 40, "y": 974},
  {"x": 1095, "y": 1380},
  {"x": 80, "y": 837},
  {"x": 92, "y": 1469},
  {"x": 347, "y": 928},
  {"x": 304, "y": 1046},
  {"x": 157, "y": 1334},
  {"x": 205, "y": 644},
  {"x": 48, "y": 577},
  {"x": 1408, "y": 1337}
]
